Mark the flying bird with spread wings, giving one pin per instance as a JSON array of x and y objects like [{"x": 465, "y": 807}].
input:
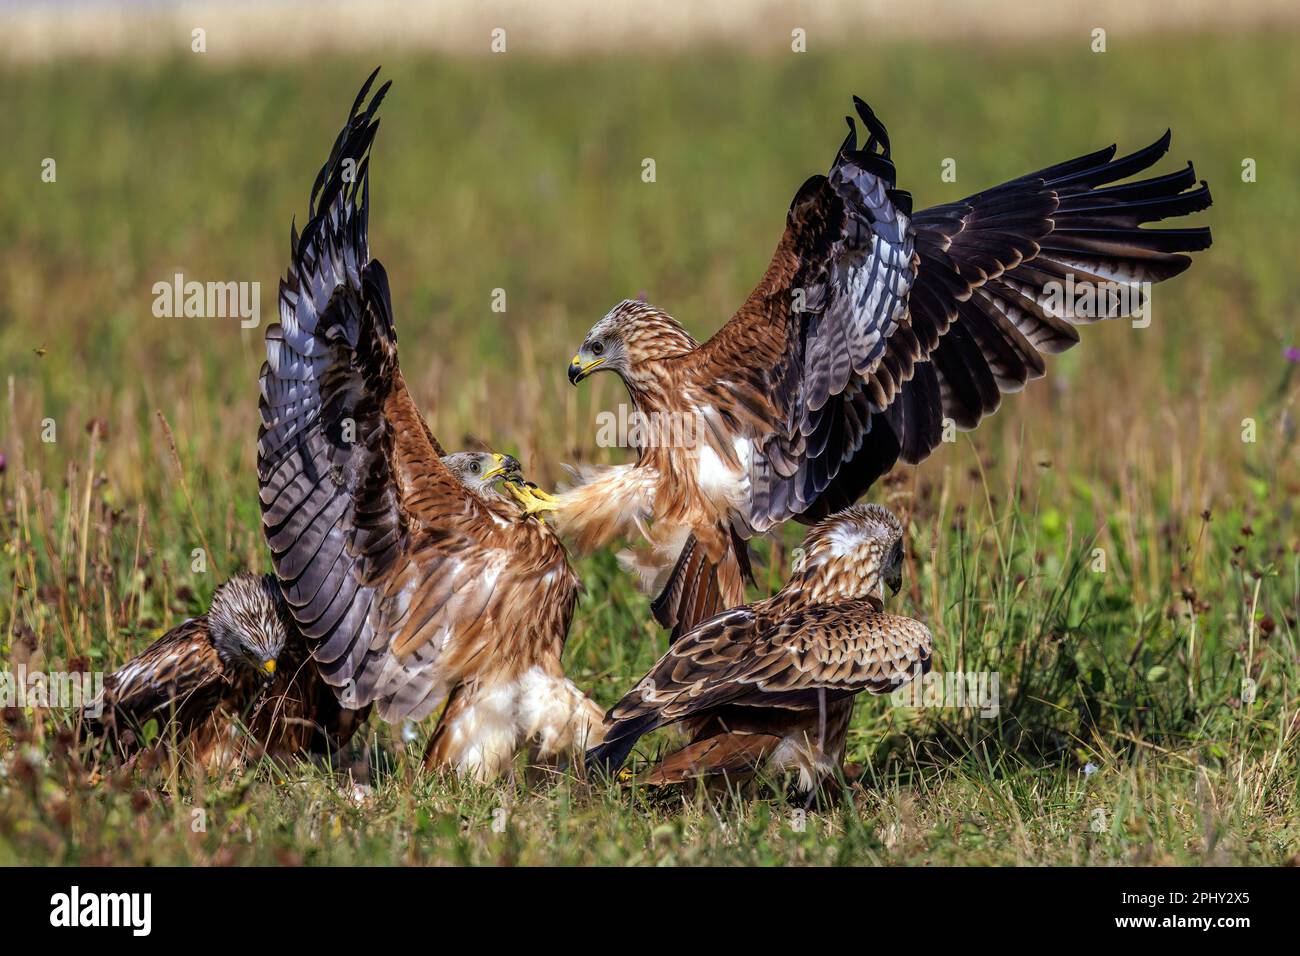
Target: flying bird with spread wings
[
  {"x": 871, "y": 326},
  {"x": 771, "y": 685},
  {"x": 410, "y": 587},
  {"x": 201, "y": 678}
]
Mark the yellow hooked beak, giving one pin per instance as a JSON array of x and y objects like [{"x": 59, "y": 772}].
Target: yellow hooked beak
[
  {"x": 269, "y": 666},
  {"x": 578, "y": 371},
  {"x": 503, "y": 466}
]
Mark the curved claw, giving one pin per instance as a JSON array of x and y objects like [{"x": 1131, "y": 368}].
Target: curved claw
[
  {"x": 531, "y": 499},
  {"x": 542, "y": 495}
]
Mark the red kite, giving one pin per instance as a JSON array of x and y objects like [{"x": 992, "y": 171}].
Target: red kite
[
  {"x": 202, "y": 677},
  {"x": 772, "y": 684},
  {"x": 410, "y": 588},
  {"x": 870, "y": 328}
]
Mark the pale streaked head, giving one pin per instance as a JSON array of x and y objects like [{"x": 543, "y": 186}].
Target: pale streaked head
[
  {"x": 629, "y": 335},
  {"x": 851, "y": 555},
  {"x": 249, "y": 622},
  {"x": 483, "y": 472}
]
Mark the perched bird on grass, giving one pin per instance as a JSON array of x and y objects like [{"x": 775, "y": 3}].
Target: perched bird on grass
[
  {"x": 202, "y": 678},
  {"x": 771, "y": 685},
  {"x": 871, "y": 327},
  {"x": 410, "y": 588}
]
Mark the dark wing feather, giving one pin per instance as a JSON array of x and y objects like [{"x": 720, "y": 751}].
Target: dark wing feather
[
  {"x": 390, "y": 567},
  {"x": 986, "y": 263},
  {"x": 908, "y": 321},
  {"x": 178, "y": 675},
  {"x": 843, "y": 648}
]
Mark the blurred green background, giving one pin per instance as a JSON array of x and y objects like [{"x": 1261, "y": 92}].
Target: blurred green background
[{"x": 525, "y": 175}]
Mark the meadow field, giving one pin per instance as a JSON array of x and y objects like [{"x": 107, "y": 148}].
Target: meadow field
[{"x": 1120, "y": 543}]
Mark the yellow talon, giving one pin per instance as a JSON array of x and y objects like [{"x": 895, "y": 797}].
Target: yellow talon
[
  {"x": 531, "y": 499},
  {"x": 543, "y": 495}
]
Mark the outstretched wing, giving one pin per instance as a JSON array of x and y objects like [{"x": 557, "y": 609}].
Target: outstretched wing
[
  {"x": 803, "y": 363},
  {"x": 391, "y": 568},
  {"x": 1006, "y": 274},
  {"x": 737, "y": 659},
  {"x": 871, "y": 326},
  {"x": 180, "y": 671}
]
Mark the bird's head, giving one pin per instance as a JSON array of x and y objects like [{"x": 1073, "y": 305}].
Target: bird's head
[
  {"x": 851, "y": 555},
  {"x": 631, "y": 335},
  {"x": 249, "y": 622},
  {"x": 482, "y": 472}
]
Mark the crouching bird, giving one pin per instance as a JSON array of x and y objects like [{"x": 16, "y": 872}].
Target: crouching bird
[
  {"x": 771, "y": 684},
  {"x": 203, "y": 678},
  {"x": 871, "y": 327},
  {"x": 412, "y": 588},
  {"x": 239, "y": 682}
]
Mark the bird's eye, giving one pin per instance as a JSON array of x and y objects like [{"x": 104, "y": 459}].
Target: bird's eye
[
  {"x": 473, "y": 466},
  {"x": 597, "y": 348}
]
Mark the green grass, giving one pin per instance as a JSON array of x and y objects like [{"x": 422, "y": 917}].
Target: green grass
[{"x": 526, "y": 176}]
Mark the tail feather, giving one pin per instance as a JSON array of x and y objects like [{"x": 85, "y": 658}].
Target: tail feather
[
  {"x": 698, "y": 588},
  {"x": 726, "y": 754},
  {"x": 621, "y": 737}
]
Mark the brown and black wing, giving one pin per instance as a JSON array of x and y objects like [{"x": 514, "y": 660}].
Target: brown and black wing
[
  {"x": 1000, "y": 272},
  {"x": 804, "y": 362},
  {"x": 872, "y": 325},
  {"x": 179, "y": 676},
  {"x": 389, "y": 566},
  {"x": 740, "y": 659}
]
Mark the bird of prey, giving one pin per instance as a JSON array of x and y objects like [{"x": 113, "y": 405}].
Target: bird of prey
[
  {"x": 299, "y": 713},
  {"x": 204, "y": 675},
  {"x": 871, "y": 326},
  {"x": 240, "y": 680},
  {"x": 411, "y": 588},
  {"x": 773, "y": 683}
]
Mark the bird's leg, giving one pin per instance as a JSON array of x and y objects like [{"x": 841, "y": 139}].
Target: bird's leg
[
  {"x": 821, "y": 747},
  {"x": 821, "y": 720}
]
